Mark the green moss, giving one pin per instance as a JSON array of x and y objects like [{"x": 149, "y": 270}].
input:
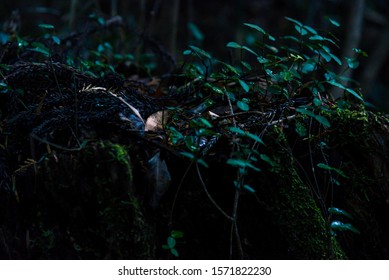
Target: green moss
[
  {"x": 87, "y": 205},
  {"x": 297, "y": 213}
]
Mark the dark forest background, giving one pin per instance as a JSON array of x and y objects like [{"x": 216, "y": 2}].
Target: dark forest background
[{"x": 174, "y": 24}]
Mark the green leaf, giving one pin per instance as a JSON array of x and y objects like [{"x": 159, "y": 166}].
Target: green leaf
[
  {"x": 3, "y": 85},
  {"x": 202, "y": 162},
  {"x": 244, "y": 85},
  {"x": 200, "y": 52},
  {"x": 187, "y": 52},
  {"x": 46, "y": 26},
  {"x": 243, "y": 133},
  {"x": 176, "y": 234},
  {"x": 171, "y": 242},
  {"x": 56, "y": 39},
  {"x": 268, "y": 160},
  {"x": 242, "y": 105},
  {"x": 249, "y": 50},
  {"x": 305, "y": 112},
  {"x": 197, "y": 34},
  {"x": 334, "y": 22},
  {"x": 215, "y": 89},
  {"x": 323, "y": 120},
  {"x": 191, "y": 143},
  {"x": 188, "y": 155},
  {"x": 338, "y": 225},
  {"x": 337, "y": 60},
  {"x": 337, "y": 211},
  {"x": 175, "y": 135},
  {"x": 301, "y": 30},
  {"x": 327, "y": 167},
  {"x": 205, "y": 122},
  {"x": 294, "y": 21},
  {"x": 262, "y": 59},
  {"x": 334, "y": 83},
  {"x": 256, "y": 27},
  {"x": 246, "y": 65},
  {"x": 352, "y": 62},
  {"x": 242, "y": 163},
  {"x": 248, "y": 188},
  {"x": 233, "y": 45},
  {"x": 174, "y": 252},
  {"x": 361, "y": 52}
]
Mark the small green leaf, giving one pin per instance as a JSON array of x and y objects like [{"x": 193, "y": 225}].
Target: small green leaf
[
  {"x": 338, "y": 225},
  {"x": 294, "y": 21},
  {"x": 352, "y": 62},
  {"x": 337, "y": 211},
  {"x": 244, "y": 85},
  {"x": 246, "y": 65},
  {"x": 171, "y": 242},
  {"x": 262, "y": 59},
  {"x": 323, "y": 120},
  {"x": 188, "y": 155},
  {"x": 327, "y": 167},
  {"x": 305, "y": 112},
  {"x": 361, "y": 52},
  {"x": 56, "y": 39},
  {"x": 46, "y": 26},
  {"x": 200, "y": 52},
  {"x": 301, "y": 30},
  {"x": 334, "y": 22},
  {"x": 242, "y": 105},
  {"x": 175, "y": 135},
  {"x": 187, "y": 52},
  {"x": 337, "y": 60},
  {"x": 197, "y": 34},
  {"x": 233, "y": 45},
  {"x": 249, "y": 50},
  {"x": 176, "y": 234},
  {"x": 256, "y": 27},
  {"x": 202, "y": 162},
  {"x": 268, "y": 160},
  {"x": 174, "y": 252},
  {"x": 334, "y": 83},
  {"x": 248, "y": 188},
  {"x": 242, "y": 163},
  {"x": 205, "y": 122}
]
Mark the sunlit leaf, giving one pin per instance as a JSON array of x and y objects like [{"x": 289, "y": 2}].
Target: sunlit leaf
[
  {"x": 171, "y": 242},
  {"x": 244, "y": 85},
  {"x": 56, "y": 39},
  {"x": 234, "y": 45},
  {"x": 352, "y": 62},
  {"x": 337, "y": 211},
  {"x": 301, "y": 30},
  {"x": 334, "y": 22},
  {"x": 46, "y": 26},
  {"x": 248, "y": 188},
  {"x": 242, "y": 105},
  {"x": 340, "y": 226}
]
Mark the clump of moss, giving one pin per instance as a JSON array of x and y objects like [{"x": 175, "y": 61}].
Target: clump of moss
[{"x": 86, "y": 207}]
